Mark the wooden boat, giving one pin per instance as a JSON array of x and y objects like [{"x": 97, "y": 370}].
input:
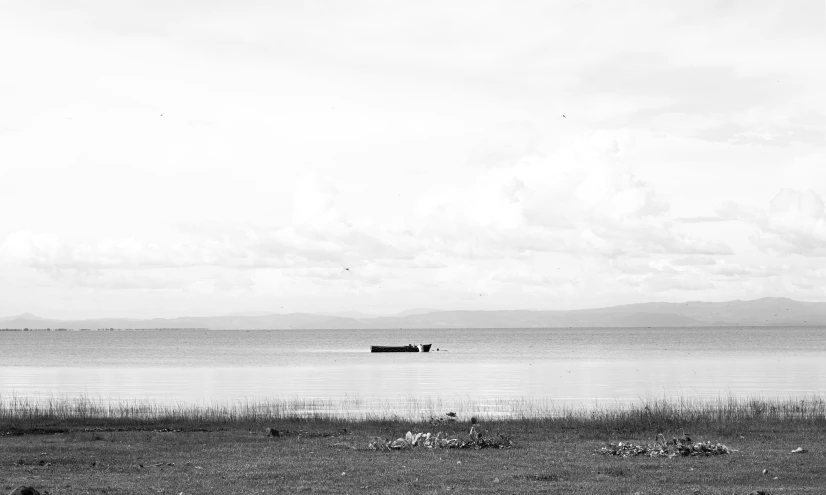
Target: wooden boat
[
  {"x": 403, "y": 348},
  {"x": 388, "y": 348}
]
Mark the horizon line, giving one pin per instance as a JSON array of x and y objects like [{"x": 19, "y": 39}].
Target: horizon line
[{"x": 398, "y": 314}]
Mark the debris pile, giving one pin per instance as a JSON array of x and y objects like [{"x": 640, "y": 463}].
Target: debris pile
[
  {"x": 683, "y": 447},
  {"x": 442, "y": 441},
  {"x": 476, "y": 438}
]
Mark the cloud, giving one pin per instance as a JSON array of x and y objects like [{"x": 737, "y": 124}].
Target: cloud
[
  {"x": 663, "y": 283},
  {"x": 507, "y": 143},
  {"x": 693, "y": 273},
  {"x": 761, "y": 127},
  {"x": 701, "y": 219},
  {"x": 363, "y": 275},
  {"x": 53, "y": 254},
  {"x": 317, "y": 243},
  {"x": 566, "y": 194},
  {"x": 793, "y": 223},
  {"x": 227, "y": 247},
  {"x": 677, "y": 87},
  {"x": 569, "y": 194},
  {"x": 552, "y": 283}
]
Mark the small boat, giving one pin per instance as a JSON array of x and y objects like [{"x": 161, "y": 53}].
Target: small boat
[{"x": 403, "y": 348}]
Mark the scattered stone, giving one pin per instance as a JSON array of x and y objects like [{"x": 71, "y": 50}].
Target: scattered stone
[
  {"x": 758, "y": 492},
  {"x": 765, "y": 471},
  {"x": 25, "y": 490}
]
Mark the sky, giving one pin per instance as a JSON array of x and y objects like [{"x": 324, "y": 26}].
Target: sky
[{"x": 183, "y": 157}]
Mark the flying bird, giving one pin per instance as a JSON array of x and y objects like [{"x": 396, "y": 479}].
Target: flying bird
[{"x": 564, "y": 117}]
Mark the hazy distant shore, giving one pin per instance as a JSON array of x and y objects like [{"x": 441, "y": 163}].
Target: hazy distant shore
[{"x": 769, "y": 311}]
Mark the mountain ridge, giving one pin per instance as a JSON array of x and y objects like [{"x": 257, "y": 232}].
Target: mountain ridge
[{"x": 770, "y": 311}]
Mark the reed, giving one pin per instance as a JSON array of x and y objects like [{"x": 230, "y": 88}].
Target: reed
[{"x": 722, "y": 414}]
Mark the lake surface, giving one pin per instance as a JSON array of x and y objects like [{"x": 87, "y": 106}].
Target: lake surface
[{"x": 575, "y": 365}]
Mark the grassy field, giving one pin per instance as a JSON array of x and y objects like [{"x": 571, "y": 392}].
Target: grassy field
[{"x": 65, "y": 446}]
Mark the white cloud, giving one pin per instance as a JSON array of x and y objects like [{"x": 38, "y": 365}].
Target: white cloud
[
  {"x": 52, "y": 254},
  {"x": 567, "y": 195},
  {"x": 572, "y": 198},
  {"x": 506, "y": 144},
  {"x": 793, "y": 223}
]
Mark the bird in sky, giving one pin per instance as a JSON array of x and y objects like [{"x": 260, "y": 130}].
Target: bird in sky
[{"x": 564, "y": 117}]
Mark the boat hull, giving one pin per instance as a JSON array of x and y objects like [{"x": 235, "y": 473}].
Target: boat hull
[{"x": 401, "y": 348}]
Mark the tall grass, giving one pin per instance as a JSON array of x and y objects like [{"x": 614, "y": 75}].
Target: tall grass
[
  {"x": 659, "y": 414},
  {"x": 727, "y": 415}
]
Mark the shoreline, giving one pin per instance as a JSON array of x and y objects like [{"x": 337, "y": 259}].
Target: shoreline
[{"x": 633, "y": 415}]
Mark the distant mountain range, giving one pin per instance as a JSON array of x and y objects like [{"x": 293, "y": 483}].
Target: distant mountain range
[{"x": 759, "y": 312}]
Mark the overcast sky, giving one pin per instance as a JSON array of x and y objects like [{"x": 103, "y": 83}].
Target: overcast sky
[{"x": 191, "y": 157}]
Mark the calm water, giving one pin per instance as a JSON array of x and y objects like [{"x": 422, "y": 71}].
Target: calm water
[{"x": 560, "y": 364}]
